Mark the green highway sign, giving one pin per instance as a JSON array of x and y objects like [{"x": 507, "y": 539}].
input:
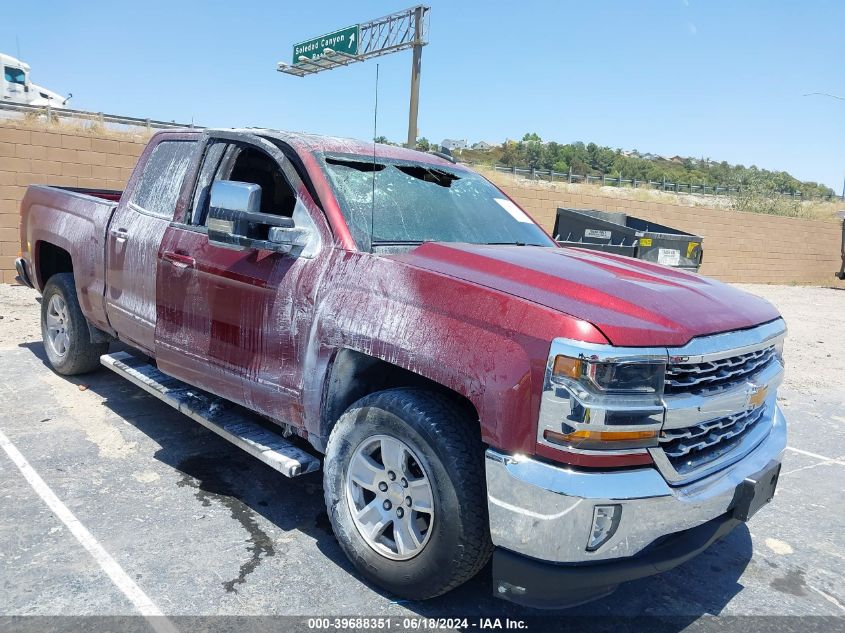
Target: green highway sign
[{"x": 342, "y": 41}]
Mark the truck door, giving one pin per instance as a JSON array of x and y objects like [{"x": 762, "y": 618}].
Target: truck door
[
  {"x": 237, "y": 322},
  {"x": 135, "y": 233}
]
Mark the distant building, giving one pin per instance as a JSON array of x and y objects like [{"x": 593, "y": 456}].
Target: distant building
[
  {"x": 649, "y": 156},
  {"x": 452, "y": 144},
  {"x": 677, "y": 159},
  {"x": 482, "y": 146}
]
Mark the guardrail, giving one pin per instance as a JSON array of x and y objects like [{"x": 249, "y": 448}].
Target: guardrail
[{"x": 53, "y": 114}]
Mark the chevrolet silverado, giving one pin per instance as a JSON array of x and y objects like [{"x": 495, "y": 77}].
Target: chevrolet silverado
[{"x": 470, "y": 388}]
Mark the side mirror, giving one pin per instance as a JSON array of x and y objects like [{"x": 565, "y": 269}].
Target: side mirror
[
  {"x": 235, "y": 221},
  {"x": 289, "y": 239}
]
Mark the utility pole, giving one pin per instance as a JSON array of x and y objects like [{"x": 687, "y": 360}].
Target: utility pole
[{"x": 416, "y": 66}]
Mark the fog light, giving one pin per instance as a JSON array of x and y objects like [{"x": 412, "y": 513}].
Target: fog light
[
  {"x": 506, "y": 587},
  {"x": 605, "y": 522}
]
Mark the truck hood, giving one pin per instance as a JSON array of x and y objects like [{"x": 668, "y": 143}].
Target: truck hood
[
  {"x": 633, "y": 303},
  {"x": 47, "y": 97}
]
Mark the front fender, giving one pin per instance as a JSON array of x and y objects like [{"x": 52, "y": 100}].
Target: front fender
[{"x": 488, "y": 346}]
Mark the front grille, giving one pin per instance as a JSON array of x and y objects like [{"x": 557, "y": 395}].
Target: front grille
[
  {"x": 725, "y": 372},
  {"x": 693, "y": 446}
]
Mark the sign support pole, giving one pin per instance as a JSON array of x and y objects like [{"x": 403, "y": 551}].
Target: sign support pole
[{"x": 416, "y": 67}]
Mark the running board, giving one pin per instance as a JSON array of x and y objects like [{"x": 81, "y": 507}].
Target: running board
[{"x": 228, "y": 420}]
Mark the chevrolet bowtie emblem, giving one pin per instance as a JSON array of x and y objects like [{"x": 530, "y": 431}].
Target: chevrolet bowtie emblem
[{"x": 756, "y": 396}]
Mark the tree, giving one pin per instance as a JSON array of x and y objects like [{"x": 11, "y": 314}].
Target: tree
[
  {"x": 383, "y": 140},
  {"x": 549, "y": 155},
  {"x": 534, "y": 154},
  {"x": 604, "y": 160},
  {"x": 531, "y": 152},
  {"x": 579, "y": 166},
  {"x": 423, "y": 145},
  {"x": 510, "y": 155},
  {"x": 561, "y": 167}
]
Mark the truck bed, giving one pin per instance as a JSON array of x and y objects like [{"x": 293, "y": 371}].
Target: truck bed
[{"x": 75, "y": 221}]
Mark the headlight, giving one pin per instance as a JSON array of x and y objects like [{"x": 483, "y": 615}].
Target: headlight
[
  {"x": 601, "y": 402},
  {"x": 617, "y": 377}
]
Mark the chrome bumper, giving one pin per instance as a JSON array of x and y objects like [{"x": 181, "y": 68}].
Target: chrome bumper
[{"x": 546, "y": 512}]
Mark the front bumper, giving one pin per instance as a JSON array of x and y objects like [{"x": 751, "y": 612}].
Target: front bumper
[
  {"x": 541, "y": 585},
  {"x": 545, "y": 512}
]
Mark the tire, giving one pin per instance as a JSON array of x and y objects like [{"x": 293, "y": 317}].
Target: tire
[
  {"x": 73, "y": 353},
  {"x": 445, "y": 449}
]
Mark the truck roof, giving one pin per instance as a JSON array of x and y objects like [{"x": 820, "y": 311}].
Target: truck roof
[
  {"x": 317, "y": 143},
  {"x": 8, "y": 60}
]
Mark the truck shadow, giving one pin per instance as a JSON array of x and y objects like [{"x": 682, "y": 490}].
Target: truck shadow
[{"x": 220, "y": 472}]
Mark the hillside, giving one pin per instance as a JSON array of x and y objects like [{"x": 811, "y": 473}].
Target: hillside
[{"x": 594, "y": 160}]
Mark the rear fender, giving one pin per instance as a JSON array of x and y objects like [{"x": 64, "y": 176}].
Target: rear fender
[{"x": 76, "y": 223}]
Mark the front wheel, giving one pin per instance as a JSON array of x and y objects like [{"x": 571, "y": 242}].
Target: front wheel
[
  {"x": 64, "y": 329},
  {"x": 405, "y": 492}
]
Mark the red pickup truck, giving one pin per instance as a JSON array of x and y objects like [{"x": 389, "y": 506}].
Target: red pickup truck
[{"x": 474, "y": 389}]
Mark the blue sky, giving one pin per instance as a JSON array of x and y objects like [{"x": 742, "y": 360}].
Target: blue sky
[{"x": 719, "y": 79}]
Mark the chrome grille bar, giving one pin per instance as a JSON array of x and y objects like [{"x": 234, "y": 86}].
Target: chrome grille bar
[
  {"x": 721, "y": 372},
  {"x": 720, "y": 399},
  {"x": 676, "y": 442}
]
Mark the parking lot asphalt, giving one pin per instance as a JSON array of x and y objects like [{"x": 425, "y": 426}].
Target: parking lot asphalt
[{"x": 201, "y": 528}]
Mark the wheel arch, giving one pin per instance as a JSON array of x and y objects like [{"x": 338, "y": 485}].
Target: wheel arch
[
  {"x": 50, "y": 259},
  {"x": 353, "y": 374}
]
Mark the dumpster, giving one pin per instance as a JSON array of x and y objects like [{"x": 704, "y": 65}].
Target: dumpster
[{"x": 623, "y": 234}]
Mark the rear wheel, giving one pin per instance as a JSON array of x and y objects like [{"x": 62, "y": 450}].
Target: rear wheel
[
  {"x": 405, "y": 492},
  {"x": 64, "y": 329}
]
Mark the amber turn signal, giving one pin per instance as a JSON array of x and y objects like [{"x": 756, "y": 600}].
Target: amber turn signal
[
  {"x": 602, "y": 436},
  {"x": 568, "y": 367}
]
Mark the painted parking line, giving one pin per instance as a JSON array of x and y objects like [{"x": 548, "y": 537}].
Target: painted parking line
[
  {"x": 834, "y": 460},
  {"x": 109, "y": 565},
  {"x": 823, "y": 461}
]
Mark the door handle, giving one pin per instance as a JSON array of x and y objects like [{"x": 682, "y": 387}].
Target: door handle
[
  {"x": 178, "y": 259},
  {"x": 119, "y": 234}
]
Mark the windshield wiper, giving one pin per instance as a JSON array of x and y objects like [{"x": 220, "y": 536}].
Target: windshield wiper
[{"x": 509, "y": 244}]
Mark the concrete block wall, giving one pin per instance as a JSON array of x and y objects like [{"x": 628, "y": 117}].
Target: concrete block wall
[
  {"x": 55, "y": 156},
  {"x": 738, "y": 247}
]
